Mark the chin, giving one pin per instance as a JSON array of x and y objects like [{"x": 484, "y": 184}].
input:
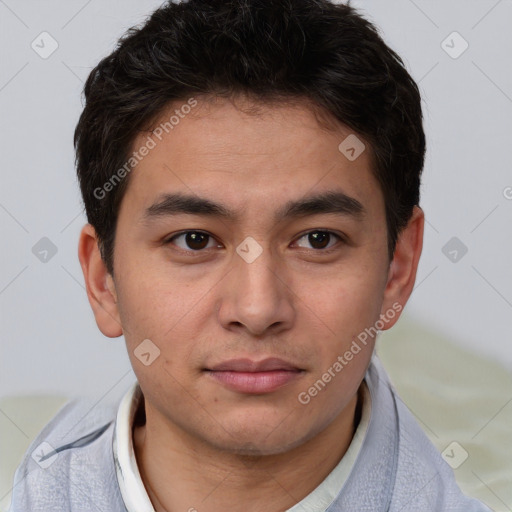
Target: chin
[
  {"x": 254, "y": 440},
  {"x": 256, "y": 449}
]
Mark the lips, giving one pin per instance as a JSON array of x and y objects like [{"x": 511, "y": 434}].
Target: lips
[
  {"x": 254, "y": 377},
  {"x": 248, "y": 365}
]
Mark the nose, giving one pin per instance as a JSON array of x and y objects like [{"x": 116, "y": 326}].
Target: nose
[{"x": 256, "y": 297}]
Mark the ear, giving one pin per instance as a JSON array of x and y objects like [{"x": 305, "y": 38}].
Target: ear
[
  {"x": 99, "y": 284},
  {"x": 403, "y": 267}
]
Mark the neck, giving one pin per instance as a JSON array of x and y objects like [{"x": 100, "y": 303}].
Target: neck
[{"x": 183, "y": 474}]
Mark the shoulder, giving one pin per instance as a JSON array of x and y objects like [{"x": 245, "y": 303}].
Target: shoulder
[
  {"x": 423, "y": 481},
  {"x": 70, "y": 465}
]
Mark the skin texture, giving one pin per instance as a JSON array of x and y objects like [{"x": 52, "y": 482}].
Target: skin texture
[{"x": 206, "y": 446}]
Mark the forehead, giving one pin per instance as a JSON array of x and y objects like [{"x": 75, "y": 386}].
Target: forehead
[{"x": 247, "y": 153}]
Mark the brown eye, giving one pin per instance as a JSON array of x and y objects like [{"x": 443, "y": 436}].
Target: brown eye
[
  {"x": 192, "y": 240},
  {"x": 319, "y": 239}
]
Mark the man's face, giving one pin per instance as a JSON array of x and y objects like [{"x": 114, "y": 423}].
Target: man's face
[{"x": 249, "y": 310}]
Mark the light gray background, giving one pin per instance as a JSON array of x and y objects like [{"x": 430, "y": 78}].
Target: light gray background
[{"x": 50, "y": 342}]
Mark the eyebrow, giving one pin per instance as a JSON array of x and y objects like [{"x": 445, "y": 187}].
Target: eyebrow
[{"x": 327, "y": 202}]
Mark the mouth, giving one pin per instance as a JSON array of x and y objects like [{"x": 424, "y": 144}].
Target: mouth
[{"x": 254, "y": 377}]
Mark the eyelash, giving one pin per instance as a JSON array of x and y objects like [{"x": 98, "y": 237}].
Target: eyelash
[{"x": 324, "y": 251}]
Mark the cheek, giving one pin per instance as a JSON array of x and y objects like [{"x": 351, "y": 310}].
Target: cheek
[
  {"x": 347, "y": 309},
  {"x": 348, "y": 303},
  {"x": 168, "y": 312},
  {"x": 152, "y": 300}
]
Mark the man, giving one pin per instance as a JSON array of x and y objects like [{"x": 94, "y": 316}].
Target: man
[{"x": 250, "y": 171}]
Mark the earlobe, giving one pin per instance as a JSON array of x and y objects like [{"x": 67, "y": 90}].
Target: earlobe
[
  {"x": 99, "y": 284},
  {"x": 403, "y": 267}
]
